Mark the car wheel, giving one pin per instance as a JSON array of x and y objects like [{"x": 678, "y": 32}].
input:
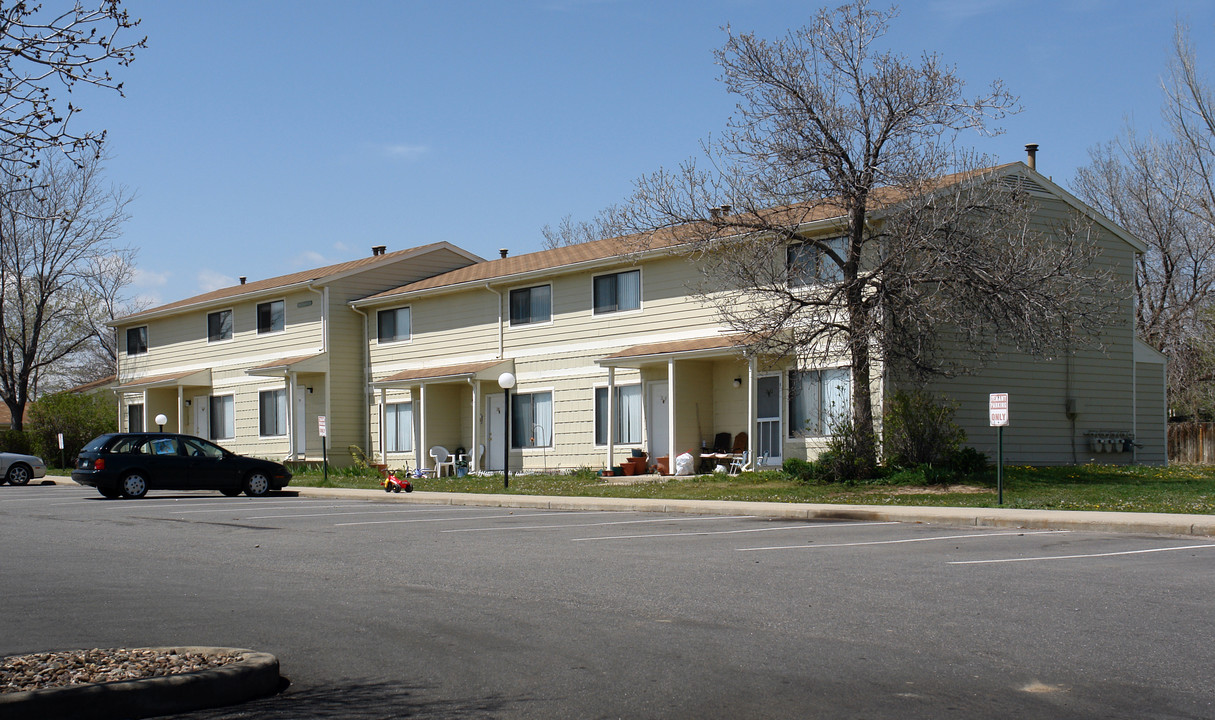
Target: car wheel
[
  {"x": 134, "y": 486},
  {"x": 231, "y": 492},
  {"x": 108, "y": 491},
  {"x": 19, "y": 474},
  {"x": 257, "y": 484}
]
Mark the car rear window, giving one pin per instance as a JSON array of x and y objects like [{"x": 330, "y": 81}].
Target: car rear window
[
  {"x": 128, "y": 445},
  {"x": 97, "y": 443}
]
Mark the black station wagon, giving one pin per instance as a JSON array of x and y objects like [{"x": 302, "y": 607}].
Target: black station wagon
[{"x": 130, "y": 464}]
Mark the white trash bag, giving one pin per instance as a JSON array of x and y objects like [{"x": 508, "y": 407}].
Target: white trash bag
[{"x": 683, "y": 464}]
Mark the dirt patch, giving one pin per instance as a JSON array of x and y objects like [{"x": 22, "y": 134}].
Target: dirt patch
[{"x": 926, "y": 490}]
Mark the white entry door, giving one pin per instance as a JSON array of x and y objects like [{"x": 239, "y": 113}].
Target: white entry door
[
  {"x": 495, "y": 431},
  {"x": 656, "y": 417},
  {"x": 202, "y": 416}
]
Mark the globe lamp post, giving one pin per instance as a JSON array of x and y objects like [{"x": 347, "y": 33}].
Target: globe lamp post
[{"x": 506, "y": 381}]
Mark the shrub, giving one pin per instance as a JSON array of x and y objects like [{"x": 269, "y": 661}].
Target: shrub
[
  {"x": 967, "y": 462},
  {"x": 918, "y": 429},
  {"x": 79, "y": 416},
  {"x": 842, "y": 461},
  {"x": 804, "y": 471},
  {"x": 14, "y": 441}
]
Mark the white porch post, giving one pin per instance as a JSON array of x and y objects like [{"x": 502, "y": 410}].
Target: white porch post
[
  {"x": 291, "y": 440},
  {"x": 143, "y": 420},
  {"x": 611, "y": 418},
  {"x": 382, "y": 435},
  {"x": 752, "y": 409},
  {"x": 670, "y": 415},
  {"x": 181, "y": 408},
  {"x": 420, "y": 450},
  {"x": 474, "y": 464}
]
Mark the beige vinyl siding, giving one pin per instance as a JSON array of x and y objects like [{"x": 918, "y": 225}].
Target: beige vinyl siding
[{"x": 1151, "y": 431}]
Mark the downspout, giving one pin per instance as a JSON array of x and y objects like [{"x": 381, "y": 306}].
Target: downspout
[
  {"x": 500, "y": 331},
  {"x": 367, "y": 390}
]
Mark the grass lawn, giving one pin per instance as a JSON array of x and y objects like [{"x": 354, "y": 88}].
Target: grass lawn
[{"x": 1177, "y": 489}]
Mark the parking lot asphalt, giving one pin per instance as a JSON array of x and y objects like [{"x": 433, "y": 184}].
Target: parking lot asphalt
[
  {"x": 384, "y": 605},
  {"x": 1081, "y": 520}
]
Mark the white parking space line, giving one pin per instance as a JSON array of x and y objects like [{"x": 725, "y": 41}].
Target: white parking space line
[
  {"x": 448, "y": 519},
  {"x": 1080, "y": 557},
  {"x": 596, "y": 524},
  {"x": 397, "y": 511},
  {"x": 972, "y": 536},
  {"x": 259, "y": 507},
  {"x": 815, "y": 526}
]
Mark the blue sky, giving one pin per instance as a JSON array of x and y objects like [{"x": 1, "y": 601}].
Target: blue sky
[{"x": 263, "y": 138}]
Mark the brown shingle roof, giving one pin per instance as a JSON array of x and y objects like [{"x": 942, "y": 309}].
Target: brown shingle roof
[
  {"x": 283, "y": 281},
  {"x": 448, "y": 371},
  {"x": 718, "y": 342},
  {"x": 663, "y": 239}
]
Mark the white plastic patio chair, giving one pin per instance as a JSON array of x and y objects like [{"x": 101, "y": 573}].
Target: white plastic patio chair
[{"x": 443, "y": 459}]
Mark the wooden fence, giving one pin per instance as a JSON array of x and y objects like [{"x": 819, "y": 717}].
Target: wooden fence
[{"x": 1192, "y": 443}]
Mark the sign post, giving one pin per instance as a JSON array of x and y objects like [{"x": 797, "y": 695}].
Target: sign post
[
  {"x": 320, "y": 426},
  {"x": 997, "y": 408},
  {"x": 61, "y": 460}
]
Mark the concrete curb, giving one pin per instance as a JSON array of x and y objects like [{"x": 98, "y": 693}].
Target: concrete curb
[
  {"x": 1115, "y": 522},
  {"x": 1081, "y": 520},
  {"x": 254, "y": 676}
]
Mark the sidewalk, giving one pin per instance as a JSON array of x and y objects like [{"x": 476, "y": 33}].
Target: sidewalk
[
  {"x": 1150, "y": 523},
  {"x": 1115, "y": 522}
]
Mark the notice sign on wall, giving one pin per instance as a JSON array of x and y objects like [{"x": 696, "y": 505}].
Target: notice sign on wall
[{"x": 997, "y": 408}]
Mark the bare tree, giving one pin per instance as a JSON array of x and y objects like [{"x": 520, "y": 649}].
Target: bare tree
[
  {"x": 1162, "y": 189},
  {"x": 61, "y": 269},
  {"x": 41, "y": 50},
  {"x": 830, "y": 130}
]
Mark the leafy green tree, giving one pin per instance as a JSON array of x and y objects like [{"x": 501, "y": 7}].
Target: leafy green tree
[{"x": 79, "y": 416}]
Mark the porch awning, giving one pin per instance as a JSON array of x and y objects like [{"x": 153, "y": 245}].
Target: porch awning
[
  {"x": 189, "y": 378},
  {"x": 300, "y": 364},
  {"x": 488, "y": 370},
  {"x": 716, "y": 346}
]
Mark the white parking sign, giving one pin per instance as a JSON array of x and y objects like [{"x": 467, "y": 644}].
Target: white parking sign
[{"x": 997, "y": 408}]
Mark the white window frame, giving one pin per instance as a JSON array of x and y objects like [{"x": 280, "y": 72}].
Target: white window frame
[
  {"x": 617, "y": 440},
  {"x": 510, "y": 320},
  {"x": 144, "y": 351},
  {"x": 257, "y": 317},
  {"x": 231, "y": 326},
  {"x": 281, "y": 412},
  {"x": 825, "y": 270},
  {"x": 388, "y": 439},
  {"x": 825, "y": 416},
  {"x": 617, "y": 274},
  {"x": 211, "y": 416},
  {"x": 552, "y": 435},
  {"x": 379, "y": 338}
]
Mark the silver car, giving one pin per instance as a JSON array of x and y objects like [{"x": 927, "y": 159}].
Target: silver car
[{"x": 18, "y": 469}]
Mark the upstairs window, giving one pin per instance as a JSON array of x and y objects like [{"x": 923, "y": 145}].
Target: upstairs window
[
  {"x": 393, "y": 325},
  {"x": 617, "y": 292},
  {"x": 819, "y": 401},
  {"x": 808, "y": 264},
  {"x": 270, "y": 316},
  {"x": 219, "y": 326},
  {"x": 531, "y": 305},
  {"x": 137, "y": 340}
]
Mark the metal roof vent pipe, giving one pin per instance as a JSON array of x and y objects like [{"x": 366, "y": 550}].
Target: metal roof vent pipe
[
  {"x": 1031, "y": 156},
  {"x": 377, "y": 250},
  {"x": 503, "y": 252},
  {"x": 243, "y": 279}
]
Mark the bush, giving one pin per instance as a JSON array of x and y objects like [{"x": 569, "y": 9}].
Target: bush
[
  {"x": 843, "y": 461},
  {"x": 918, "y": 429},
  {"x": 14, "y": 441},
  {"x": 967, "y": 462},
  {"x": 803, "y": 471},
  {"x": 79, "y": 416}
]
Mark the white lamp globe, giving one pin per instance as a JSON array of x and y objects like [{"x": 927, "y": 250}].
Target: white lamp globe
[
  {"x": 506, "y": 380},
  {"x": 161, "y": 419}
]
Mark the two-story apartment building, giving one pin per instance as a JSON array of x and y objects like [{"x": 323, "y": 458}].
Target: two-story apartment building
[
  {"x": 253, "y": 366},
  {"x": 610, "y": 352}
]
